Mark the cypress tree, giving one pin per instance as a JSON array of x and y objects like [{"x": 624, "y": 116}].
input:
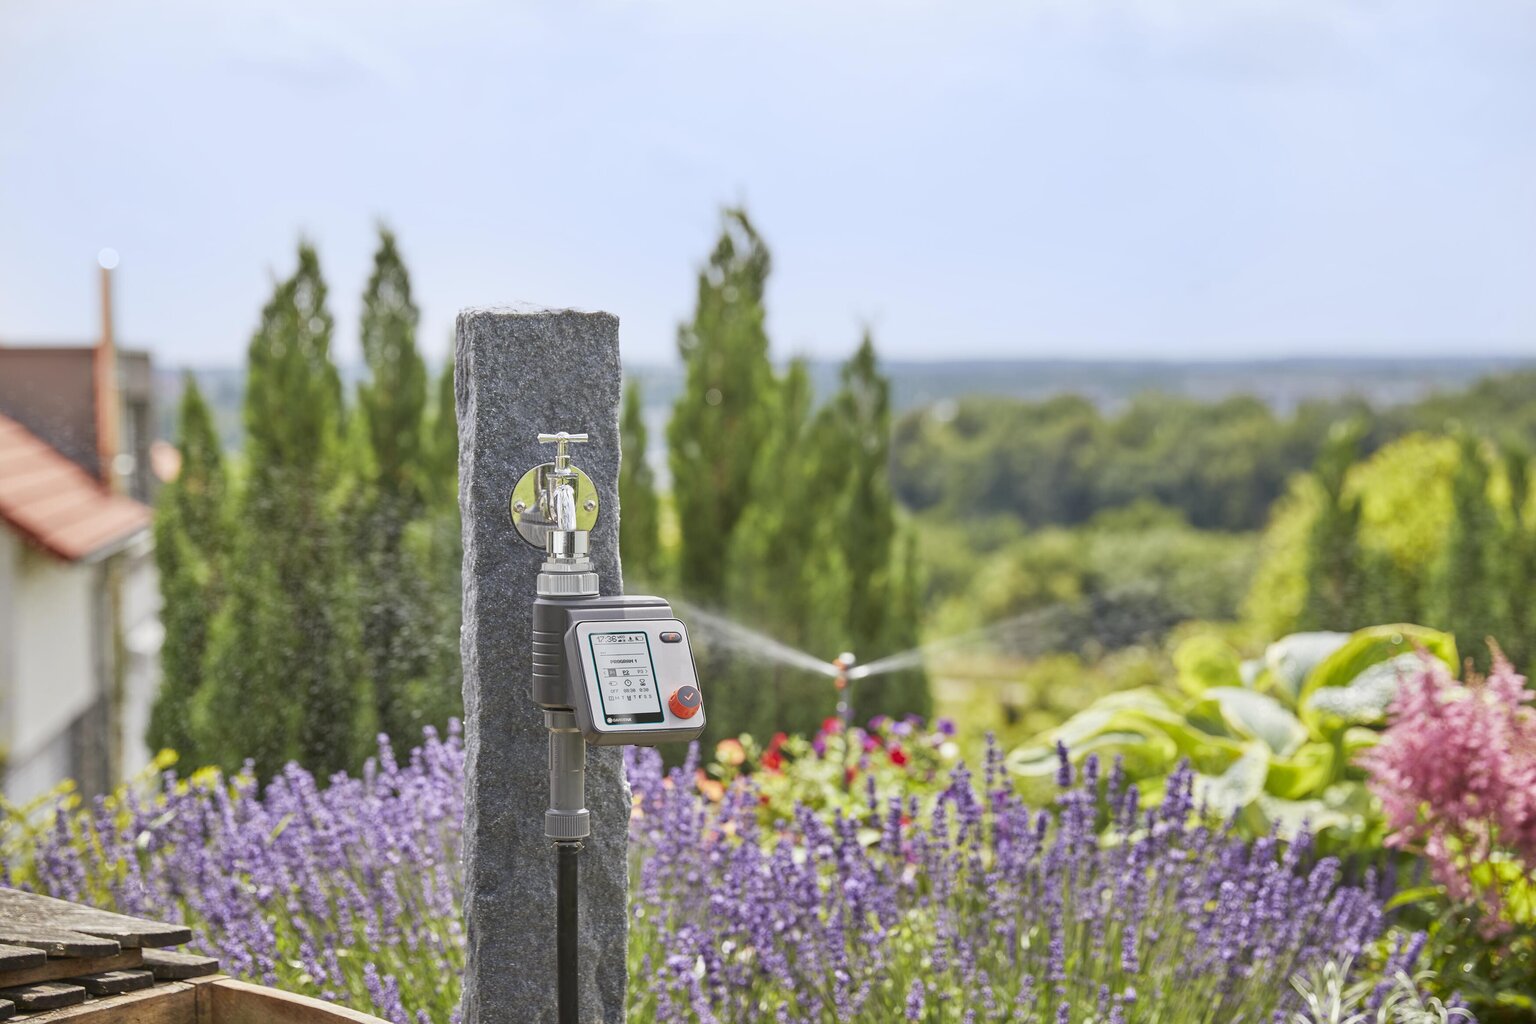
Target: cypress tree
[
  {"x": 1465, "y": 582},
  {"x": 1334, "y": 568},
  {"x": 1518, "y": 562},
  {"x": 444, "y": 553},
  {"x": 883, "y": 615},
  {"x": 723, "y": 415},
  {"x": 906, "y": 691},
  {"x": 640, "y": 519},
  {"x": 284, "y": 673},
  {"x": 393, "y": 588},
  {"x": 440, "y": 449},
  {"x": 190, "y": 546},
  {"x": 393, "y": 400},
  {"x": 786, "y": 577},
  {"x": 862, "y": 417}
]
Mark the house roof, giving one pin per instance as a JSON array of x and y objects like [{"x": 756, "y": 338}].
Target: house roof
[{"x": 52, "y": 502}]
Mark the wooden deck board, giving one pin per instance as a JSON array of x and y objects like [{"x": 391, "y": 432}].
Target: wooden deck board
[
  {"x": 112, "y": 983},
  {"x": 171, "y": 965},
  {"x": 16, "y": 957},
  {"x": 53, "y": 940},
  {"x": 62, "y": 968},
  {"x": 177, "y": 966},
  {"x": 30, "y": 909},
  {"x": 45, "y": 995}
]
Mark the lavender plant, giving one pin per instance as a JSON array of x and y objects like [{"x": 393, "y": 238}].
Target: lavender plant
[
  {"x": 967, "y": 906},
  {"x": 349, "y": 892},
  {"x": 980, "y": 910}
]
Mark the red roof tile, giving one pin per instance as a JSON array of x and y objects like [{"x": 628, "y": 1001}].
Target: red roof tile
[{"x": 55, "y": 504}]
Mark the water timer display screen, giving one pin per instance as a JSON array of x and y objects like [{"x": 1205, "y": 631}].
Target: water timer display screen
[{"x": 626, "y": 678}]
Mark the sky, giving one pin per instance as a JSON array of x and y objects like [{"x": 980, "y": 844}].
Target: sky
[{"x": 968, "y": 178}]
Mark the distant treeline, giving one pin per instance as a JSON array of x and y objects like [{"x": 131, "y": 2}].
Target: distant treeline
[{"x": 1221, "y": 464}]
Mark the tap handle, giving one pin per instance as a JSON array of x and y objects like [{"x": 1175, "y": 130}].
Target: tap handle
[{"x": 560, "y": 441}]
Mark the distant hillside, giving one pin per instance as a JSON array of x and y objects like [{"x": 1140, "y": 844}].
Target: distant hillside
[{"x": 1281, "y": 383}]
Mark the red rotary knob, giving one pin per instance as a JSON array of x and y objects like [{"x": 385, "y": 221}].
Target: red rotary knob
[{"x": 685, "y": 701}]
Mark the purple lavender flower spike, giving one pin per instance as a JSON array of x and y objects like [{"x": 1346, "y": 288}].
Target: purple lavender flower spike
[{"x": 1063, "y": 766}]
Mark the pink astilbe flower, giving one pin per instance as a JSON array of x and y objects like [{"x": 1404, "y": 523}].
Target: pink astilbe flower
[{"x": 1456, "y": 773}]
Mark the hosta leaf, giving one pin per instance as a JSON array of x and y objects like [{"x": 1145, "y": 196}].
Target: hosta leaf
[
  {"x": 1291, "y": 659},
  {"x": 1205, "y": 715},
  {"x": 1303, "y": 774},
  {"x": 1260, "y": 716},
  {"x": 1143, "y": 755},
  {"x": 1034, "y": 761},
  {"x": 1358, "y": 738},
  {"x": 1146, "y": 699},
  {"x": 1291, "y": 816},
  {"x": 1372, "y": 646},
  {"x": 1238, "y": 786},
  {"x": 1365, "y": 698},
  {"x": 1206, "y": 752}
]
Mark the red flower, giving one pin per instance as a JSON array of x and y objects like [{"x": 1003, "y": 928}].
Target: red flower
[
  {"x": 898, "y": 756},
  {"x": 779, "y": 739},
  {"x": 848, "y": 776},
  {"x": 831, "y": 724},
  {"x": 773, "y": 760}
]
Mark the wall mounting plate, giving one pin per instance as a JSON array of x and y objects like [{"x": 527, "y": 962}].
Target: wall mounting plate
[{"x": 531, "y": 522}]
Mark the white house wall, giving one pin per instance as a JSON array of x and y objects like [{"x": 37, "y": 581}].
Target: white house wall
[
  {"x": 54, "y": 614},
  {"x": 10, "y": 555},
  {"x": 142, "y": 638}
]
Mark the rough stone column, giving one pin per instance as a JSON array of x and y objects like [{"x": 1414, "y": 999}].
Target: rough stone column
[{"x": 517, "y": 374}]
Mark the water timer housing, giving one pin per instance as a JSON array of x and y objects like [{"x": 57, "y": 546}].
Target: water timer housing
[{"x": 623, "y": 664}]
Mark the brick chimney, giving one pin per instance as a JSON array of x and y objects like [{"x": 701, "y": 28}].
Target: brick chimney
[{"x": 107, "y": 415}]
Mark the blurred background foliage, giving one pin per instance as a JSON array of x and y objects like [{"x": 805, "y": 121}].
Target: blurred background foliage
[{"x": 1037, "y": 554}]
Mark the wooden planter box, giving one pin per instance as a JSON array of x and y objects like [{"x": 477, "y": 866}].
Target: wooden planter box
[
  {"x": 211, "y": 1000},
  {"x": 65, "y": 962}
]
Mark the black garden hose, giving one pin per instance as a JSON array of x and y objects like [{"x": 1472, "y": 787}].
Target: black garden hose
[{"x": 566, "y": 883}]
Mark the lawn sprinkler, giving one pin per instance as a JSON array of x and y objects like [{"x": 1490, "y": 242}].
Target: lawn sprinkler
[
  {"x": 844, "y": 663},
  {"x": 606, "y": 670}
]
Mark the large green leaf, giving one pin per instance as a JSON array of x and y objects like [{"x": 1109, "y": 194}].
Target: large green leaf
[
  {"x": 1238, "y": 786},
  {"x": 1291, "y": 659},
  {"x": 1143, "y": 754},
  {"x": 1364, "y": 649},
  {"x": 1147, "y": 699},
  {"x": 1291, "y": 816},
  {"x": 1365, "y": 698},
  {"x": 1145, "y": 702},
  {"x": 1357, "y": 739},
  {"x": 1304, "y": 773},
  {"x": 1259, "y": 716},
  {"x": 1376, "y": 644}
]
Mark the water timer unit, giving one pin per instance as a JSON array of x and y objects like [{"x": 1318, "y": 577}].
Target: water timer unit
[
  {"x": 626, "y": 668},
  {"x": 620, "y": 665},
  {"x": 606, "y": 670}
]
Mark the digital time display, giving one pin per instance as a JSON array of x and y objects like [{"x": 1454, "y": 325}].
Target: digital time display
[{"x": 626, "y": 678}]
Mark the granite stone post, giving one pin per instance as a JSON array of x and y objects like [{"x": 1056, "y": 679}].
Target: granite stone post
[{"x": 516, "y": 374}]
